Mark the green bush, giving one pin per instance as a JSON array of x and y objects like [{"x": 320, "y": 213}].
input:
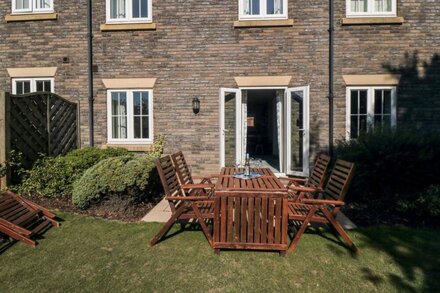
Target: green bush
[
  {"x": 135, "y": 176},
  {"x": 54, "y": 176},
  {"x": 390, "y": 162},
  {"x": 423, "y": 204}
]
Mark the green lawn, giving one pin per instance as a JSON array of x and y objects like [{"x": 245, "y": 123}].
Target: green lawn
[{"x": 93, "y": 255}]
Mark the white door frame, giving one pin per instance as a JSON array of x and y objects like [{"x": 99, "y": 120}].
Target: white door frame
[
  {"x": 238, "y": 127},
  {"x": 306, "y": 130}
]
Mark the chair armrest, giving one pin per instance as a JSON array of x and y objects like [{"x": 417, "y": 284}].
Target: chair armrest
[
  {"x": 305, "y": 188},
  {"x": 294, "y": 179},
  {"x": 323, "y": 201},
  {"x": 189, "y": 198},
  {"x": 196, "y": 186}
]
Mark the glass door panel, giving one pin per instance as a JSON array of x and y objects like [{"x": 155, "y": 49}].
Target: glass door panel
[
  {"x": 297, "y": 131},
  {"x": 230, "y": 100}
]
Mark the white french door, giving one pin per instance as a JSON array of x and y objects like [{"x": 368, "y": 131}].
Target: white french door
[
  {"x": 231, "y": 127},
  {"x": 297, "y": 131}
]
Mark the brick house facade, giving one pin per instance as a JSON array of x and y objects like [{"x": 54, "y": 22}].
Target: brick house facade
[{"x": 195, "y": 48}]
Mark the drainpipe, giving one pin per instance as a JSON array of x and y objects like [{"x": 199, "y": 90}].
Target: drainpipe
[
  {"x": 90, "y": 70},
  {"x": 331, "y": 30}
]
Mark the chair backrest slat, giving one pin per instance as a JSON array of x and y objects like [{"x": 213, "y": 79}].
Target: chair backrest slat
[
  {"x": 339, "y": 181},
  {"x": 182, "y": 169},
  {"x": 319, "y": 172},
  {"x": 168, "y": 176}
]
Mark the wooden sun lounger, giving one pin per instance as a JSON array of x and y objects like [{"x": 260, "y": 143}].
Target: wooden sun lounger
[{"x": 22, "y": 220}]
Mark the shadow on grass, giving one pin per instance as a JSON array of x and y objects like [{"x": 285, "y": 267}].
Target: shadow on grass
[{"x": 416, "y": 252}]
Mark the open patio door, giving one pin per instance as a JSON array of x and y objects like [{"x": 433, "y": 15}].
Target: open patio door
[
  {"x": 230, "y": 127},
  {"x": 297, "y": 131}
]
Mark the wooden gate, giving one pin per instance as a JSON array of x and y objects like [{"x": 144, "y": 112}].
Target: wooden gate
[{"x": 38, "y": 123}]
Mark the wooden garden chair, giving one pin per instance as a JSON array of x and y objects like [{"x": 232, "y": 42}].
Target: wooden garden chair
[
  {"x": 308, "y": 187},
  {"x": 184, "y": 173},
  {"x": 325, "y": 209},
  {"x": 22, "y": 219},
  {"x": 185, "y": 202}
]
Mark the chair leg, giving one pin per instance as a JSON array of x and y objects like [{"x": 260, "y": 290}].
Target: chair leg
[
  {"x": 169, "y": 224},
  {"x": 335, "y": 224},
  {"x": 302, "y": 229},
  {"x": 202, "y": 223}
]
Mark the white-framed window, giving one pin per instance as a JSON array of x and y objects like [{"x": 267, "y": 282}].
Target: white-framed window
[
  {"x": 129, "y": 11},
  {"x": 130, "y": 116},
  {"x": 22, "y": 86},
  {"x": 370, "y": 107},
  {"x": 32, "y": 6},
  {"x": 368, "y": 8},
  {"x": 262, "y": 9}
]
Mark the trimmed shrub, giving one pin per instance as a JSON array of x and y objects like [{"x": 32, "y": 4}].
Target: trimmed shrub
[
  {"x": 54, "y": 176},
  {"x": 425, "y": 203},
  {"x": 391, "y": 162},
  {"x": 135, "y": 176}
]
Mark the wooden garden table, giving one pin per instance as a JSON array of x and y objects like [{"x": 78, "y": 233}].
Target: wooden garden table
[{"x": 250, "y": 213}]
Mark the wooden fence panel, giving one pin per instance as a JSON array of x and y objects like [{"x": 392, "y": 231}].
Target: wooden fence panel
[{"x": 37, "y": 123}]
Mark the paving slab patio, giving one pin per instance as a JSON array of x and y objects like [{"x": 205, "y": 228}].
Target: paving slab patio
[{"x": 162, "y": 212}]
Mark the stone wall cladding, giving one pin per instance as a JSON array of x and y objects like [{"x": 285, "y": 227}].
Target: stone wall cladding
[{"x": 195, "y": 51}]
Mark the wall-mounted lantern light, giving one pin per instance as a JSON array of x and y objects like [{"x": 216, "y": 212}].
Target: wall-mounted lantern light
[{"x": 196, "y": 105}]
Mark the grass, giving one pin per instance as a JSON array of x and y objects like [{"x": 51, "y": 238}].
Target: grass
[{"x": 95, "y": 255}]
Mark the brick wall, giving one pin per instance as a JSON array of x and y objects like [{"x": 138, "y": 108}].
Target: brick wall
[{"x": 195, "y": 51}]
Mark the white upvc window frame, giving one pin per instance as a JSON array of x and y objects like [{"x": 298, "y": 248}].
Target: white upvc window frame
[
  {"x": 32, "y": 8},
  {"x": 33, "y": 83},
  {"x": 370, "y": 12},
  {"x": 263, "y": 12},
  {"x": 370, "y": 106},
  {"x": 129, "y": 17},
  {"x": 130, "y": 118}
]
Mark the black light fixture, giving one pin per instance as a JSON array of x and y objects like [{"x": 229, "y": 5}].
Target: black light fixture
[{"x": 196, "y": 105}]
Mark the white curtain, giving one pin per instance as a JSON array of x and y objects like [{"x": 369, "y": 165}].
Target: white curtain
[
  {"x": 246, "y": 7},
  {"x": 244, "y": 132},
  {"x": 382, "y": 5},
  {"x": 279, "y": 98},
  {"x": 358, "y": 6},
  {"x": 278, "y": 6}
]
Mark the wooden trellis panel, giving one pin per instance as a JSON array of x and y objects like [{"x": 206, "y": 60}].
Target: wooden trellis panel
[{"x": 41, "y": 123}]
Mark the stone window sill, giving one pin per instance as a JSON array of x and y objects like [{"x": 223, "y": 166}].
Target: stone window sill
[
  {"x": 128, "y": 26},
  {"x": 262, "y": 23},
  {"x": 131, "y": 147},
  {"x": 371, "y": 20},
  {"x": 31, "y": 17}
]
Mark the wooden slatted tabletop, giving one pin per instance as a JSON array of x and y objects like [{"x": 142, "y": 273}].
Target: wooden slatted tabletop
[{"x": 268, "y": 182}]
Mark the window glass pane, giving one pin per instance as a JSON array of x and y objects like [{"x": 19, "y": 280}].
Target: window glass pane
[
  {"x": 251, "y": 7},
  {"x": 354, "y": 102},
  {"x": 387, "y": 101},
  {"x": 145, "y": 127},
  {"x": 43, "y": 4},
  {"x": 354, "y": 127},
  {"x": 358, "y": 5},
  {"x": 145, "y": 110},
  {"x": 382, "y": 5},
  {"x": 137, "y": 103},
  {"x": 274, "y": 6},
  {"x": 378, "y": 101},
  {"x": 363, "y": 102},
  {"x": 362, "y": 123},
  {"x": 377, "y": 120},
  {"x": 23, "y": 87},
  {"x": 137, "y": 127},
  {"x": 386, "y": 120},
  {"x": 140, "y": 8},
  {"x": 22, "y": 4},
  {"x": 117, "y": 9},
  {"x": 43, "y": 85},
  {"x": 119, "y": 129}
]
